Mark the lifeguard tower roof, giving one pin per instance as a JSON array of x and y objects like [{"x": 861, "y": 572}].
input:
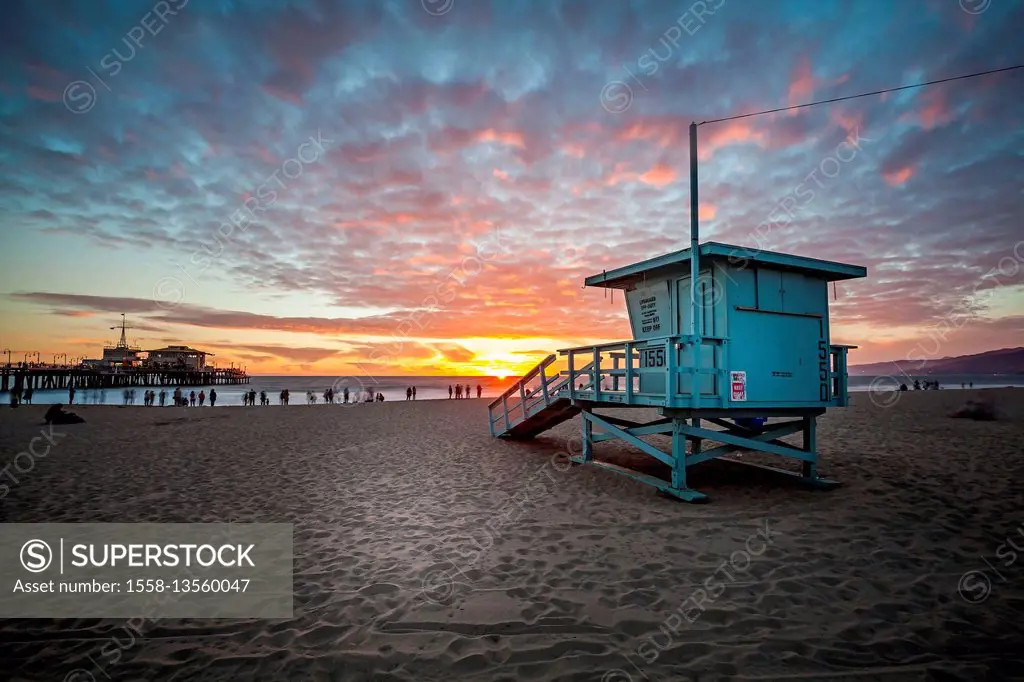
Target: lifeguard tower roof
[{"x": 736, "y": 256}]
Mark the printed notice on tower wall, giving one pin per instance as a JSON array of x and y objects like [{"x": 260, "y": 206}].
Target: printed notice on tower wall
[
  {"x": 739, "y": 385},
  {"x": 151, "y": 570},
  {"x": 651, "y": 315}
]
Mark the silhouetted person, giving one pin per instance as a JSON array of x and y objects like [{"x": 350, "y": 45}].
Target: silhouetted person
[
  {"x": 458, "y": 391},
  {"x": 56, "y": 415},
  {"x": 192, "y": 399},
  {"x": 163, "y": 397},
  {"x": 449, "y": 391},
  {"x": 27, "y": 397},
  {"x": 213, "y": 397},
  {"x": 71, "y": 394},
  {"x": 414, "y": 393},
  {"x": 468, "y": 391},
  {"x": 408, "y": 393},
  {"x": 917, "y": 385},
  {"x": 479, "y": 390},
  {"x": 344, "y": 394}
]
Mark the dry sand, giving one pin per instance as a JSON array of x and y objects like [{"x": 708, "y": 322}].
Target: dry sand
[{"x": 426, "y": 550}]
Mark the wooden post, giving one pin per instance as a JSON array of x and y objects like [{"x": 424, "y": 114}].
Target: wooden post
[
  {"x": 810, "y": 446},
  {"x": 695, "y": 386},
  {"x": 544, "y": 385},
  {"x": 572, "y": 377},
  {"x": 671, "y": 373},
  {"x": 588, "y": 437},
  {"x": 629, "y": 372},
  {"x": 695, "y": 310},
  {"x": 522, "y": 399},
  {"x": 596, "y": 369},
  {"x": 678, "y": 457}
]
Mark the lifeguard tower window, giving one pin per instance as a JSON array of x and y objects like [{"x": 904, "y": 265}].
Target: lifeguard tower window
[{"x": 779, "y": 291}]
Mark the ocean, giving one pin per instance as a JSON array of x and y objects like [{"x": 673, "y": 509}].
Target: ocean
[{"x": 436, "y": 388}]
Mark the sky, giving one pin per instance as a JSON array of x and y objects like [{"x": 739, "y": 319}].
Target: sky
[{"x": 421, "y": 186}]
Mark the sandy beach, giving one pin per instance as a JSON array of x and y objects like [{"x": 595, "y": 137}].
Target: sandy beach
[{"x": 426, "y": 550}]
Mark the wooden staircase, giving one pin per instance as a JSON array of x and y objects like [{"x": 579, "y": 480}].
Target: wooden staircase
[{"x": 534, "y": 404}]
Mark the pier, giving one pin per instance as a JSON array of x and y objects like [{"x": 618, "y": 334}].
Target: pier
[{"x": 49, "y": 378}]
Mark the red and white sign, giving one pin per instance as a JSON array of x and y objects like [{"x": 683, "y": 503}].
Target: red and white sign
[{"x": 739, "y": 385}]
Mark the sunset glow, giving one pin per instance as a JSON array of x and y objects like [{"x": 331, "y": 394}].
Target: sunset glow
[{"x": 331, "y": 188}]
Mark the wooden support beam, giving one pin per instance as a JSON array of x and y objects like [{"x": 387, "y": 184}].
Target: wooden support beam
[
  {"x": 588, "y": 438},
  {"x": 810, "y": 437},
  {"x": 685, "y": 494},
  {"x": 660, "y": 426},
  {"x": 619, "y": 421},
  {"x": 678, "y": 457},
  {"x": 767, "y": 437},
  {"x": 631, "y": 439},
  {"x": 745, "y": 442}
]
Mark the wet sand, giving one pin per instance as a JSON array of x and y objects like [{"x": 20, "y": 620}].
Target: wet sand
[{"x": 426, "y": 550}]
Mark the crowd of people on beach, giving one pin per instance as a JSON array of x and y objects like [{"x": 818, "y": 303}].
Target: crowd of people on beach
[
  {"x": 328, "y": 396},
  {"x": 464, "y": 392},
  {"x": 180, "y": 398}
]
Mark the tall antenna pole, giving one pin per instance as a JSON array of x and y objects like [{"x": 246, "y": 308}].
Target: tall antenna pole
[{"x": 694, "y": 237}]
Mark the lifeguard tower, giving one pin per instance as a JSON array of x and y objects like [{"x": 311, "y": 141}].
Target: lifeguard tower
[{"x": 722, "y": 334}]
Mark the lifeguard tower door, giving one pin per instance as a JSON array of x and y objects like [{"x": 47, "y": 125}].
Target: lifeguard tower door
[{"x": 779, "y": 335}]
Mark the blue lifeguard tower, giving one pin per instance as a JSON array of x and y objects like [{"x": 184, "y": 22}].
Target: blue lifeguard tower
[
  {"x": 722, "y": 334},
  {"x": 747, "y": 340}
]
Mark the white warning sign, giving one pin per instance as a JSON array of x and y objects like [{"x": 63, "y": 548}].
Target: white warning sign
[{"x": 738, "y": 380}]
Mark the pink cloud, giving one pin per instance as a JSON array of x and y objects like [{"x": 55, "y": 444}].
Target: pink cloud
[
  {"x": 659, "y": 176},
  {"x": 898, "y": 176},
  {"x": 802, "y": 82}
]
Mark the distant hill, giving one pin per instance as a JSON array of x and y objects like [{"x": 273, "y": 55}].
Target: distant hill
[{"x": 1005, "y": 361}]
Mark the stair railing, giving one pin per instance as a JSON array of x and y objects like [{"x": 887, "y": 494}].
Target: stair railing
[{"x": 523, "y": 400}]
